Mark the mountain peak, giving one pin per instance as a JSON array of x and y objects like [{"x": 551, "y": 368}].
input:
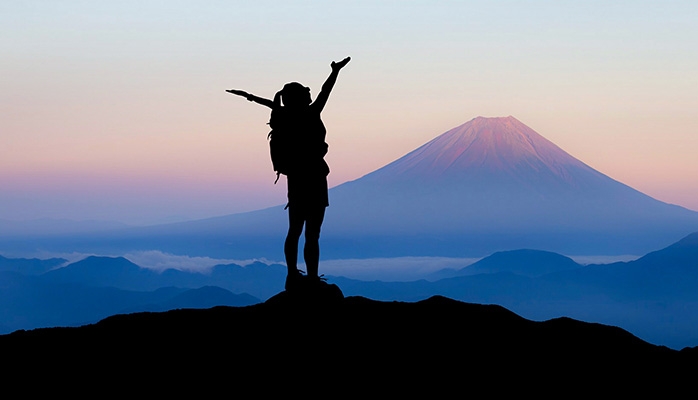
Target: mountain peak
[{"x": 490, "y": 145}]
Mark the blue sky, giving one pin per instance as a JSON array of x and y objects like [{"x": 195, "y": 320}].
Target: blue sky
[{"x": 117, "y": 110}]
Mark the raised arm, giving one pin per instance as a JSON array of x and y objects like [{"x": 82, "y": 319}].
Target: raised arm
[
  {"x": 260, "y": 100},
  {"x": 324, "y": 94}
]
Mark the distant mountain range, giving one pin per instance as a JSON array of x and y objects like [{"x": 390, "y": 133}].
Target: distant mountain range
[
  {"x": 97, "y": 287},
  {"x": 655, "y": 297},
  {"x": 262, "y": 279},
  {"x": 32, "y": 266},
  {"x": 491, "y": 184}
]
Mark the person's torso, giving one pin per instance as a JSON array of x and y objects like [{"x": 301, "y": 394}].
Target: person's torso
[{"x": 307, "y": 135}]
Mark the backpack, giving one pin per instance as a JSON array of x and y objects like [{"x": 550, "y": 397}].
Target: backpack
[
  {"x": 292, "y": 152},
  {"x": 281, "y": 144}
]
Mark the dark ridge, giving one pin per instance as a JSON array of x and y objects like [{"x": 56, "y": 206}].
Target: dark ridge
[{"x": 347, "y": 344}]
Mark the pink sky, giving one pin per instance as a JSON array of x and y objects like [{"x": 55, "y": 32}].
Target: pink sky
[{"x": 119, "y": 112}]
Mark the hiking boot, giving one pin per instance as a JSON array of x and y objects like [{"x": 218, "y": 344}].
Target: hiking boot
[
  {"x": 315, "y": 280},
  {"x": 293, "y": 279}
]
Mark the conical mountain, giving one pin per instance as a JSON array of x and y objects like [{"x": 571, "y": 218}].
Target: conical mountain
[{"x": 495, "y": 184}]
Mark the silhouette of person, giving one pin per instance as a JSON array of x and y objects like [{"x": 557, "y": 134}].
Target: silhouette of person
[{"x": 307, "y": 180}]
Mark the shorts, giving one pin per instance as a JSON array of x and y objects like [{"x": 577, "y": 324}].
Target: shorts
[{"x": 307, "y": 191}]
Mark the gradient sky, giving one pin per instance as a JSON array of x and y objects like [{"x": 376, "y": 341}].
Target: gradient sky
[{"x": 117, "y": 110}]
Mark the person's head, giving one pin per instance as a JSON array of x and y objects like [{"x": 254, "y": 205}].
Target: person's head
[{"x": 295, "y": 95}]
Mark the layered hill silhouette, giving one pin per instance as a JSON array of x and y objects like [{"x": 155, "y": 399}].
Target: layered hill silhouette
[
  {"x": 655, "y": 297},
  {"x": 97, "y": 287},
  {"x": 33, "y": 266},
  {"x": 261, "y": 279},
  {"x": 354, "y": 344},
  {"x": 491, "y": 184}
]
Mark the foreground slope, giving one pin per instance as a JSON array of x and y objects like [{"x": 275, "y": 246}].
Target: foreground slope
[{"x": 349, "y": 343}]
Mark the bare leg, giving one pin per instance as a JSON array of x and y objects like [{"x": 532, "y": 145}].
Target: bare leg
[
  {"x": 295, "y": 228},
  {"x": 311, "y": 250}
]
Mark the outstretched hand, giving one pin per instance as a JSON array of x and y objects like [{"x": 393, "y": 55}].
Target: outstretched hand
[
  {"x": 336, "y": 66},
  {"x": 239, "y": 93}
]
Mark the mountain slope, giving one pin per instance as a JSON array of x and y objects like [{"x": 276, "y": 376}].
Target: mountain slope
[
  {"x": 96, "y": 271},
  {"x": 496, "y": 172},
  {"x": 523, "y": 262},
  {"x": 483, "y": 148}
]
